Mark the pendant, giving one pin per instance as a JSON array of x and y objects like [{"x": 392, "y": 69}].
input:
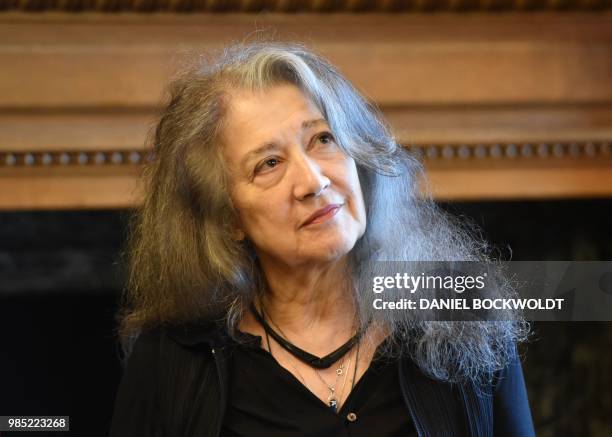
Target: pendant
[{"x": 333, "y": 405}]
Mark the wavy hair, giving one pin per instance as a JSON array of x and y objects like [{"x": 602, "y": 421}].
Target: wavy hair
[{"x": 184, "y": 266}]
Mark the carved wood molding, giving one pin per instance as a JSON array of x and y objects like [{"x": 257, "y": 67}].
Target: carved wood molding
[
  {"x": 500, "y": 106},
  {"x": 434, "y": 154},
  {"x": 542, "y": 151},
  {"x": 123, "y": 61},
  {"x": 76, "y": 158},
  {"x": 503, "y": 171},
  {"x": 298, "y": 6},
  {"x": 117, "y": 186}
]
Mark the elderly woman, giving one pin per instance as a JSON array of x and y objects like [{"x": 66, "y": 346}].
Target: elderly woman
[{"x": 248, "y": 310}]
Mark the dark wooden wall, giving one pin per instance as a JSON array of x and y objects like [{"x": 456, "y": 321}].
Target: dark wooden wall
[{"x": 504, "y": 100}]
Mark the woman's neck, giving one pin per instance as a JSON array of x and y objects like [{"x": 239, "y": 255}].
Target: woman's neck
[{"x": 317, "y": 301}]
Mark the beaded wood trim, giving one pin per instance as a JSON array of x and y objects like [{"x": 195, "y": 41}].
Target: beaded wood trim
[
  {"x": 427, "y": 152},
  {"x": 509, "y": 151},
  {"x": 73, "y": 158}
]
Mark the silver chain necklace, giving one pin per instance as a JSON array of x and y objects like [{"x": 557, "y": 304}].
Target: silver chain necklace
[{"x": 332, "y": 398}]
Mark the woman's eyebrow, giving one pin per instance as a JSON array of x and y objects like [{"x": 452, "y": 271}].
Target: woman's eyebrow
[
  {"x": 266, "y": 147},
  {"x": 310, "y": 123}
]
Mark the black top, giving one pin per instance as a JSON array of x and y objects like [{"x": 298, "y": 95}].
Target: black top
[
  {"x": 176, "y": 384},
  {"x": 265, "y": 399}
]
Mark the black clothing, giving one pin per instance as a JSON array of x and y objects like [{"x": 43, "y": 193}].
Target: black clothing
[
  {"x": 266, "y": 399},
  {"x": 176, "y": 384}
]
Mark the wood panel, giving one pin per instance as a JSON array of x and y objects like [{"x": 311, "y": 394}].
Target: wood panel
[
  {"x": 504, "y": 106},
  {"x": 90, "y": 187},
  {"x": 520, "y": 183},
  {"x": 470, "y": 124},
  {"x": 95, "y": 187},
  {"x": 438, "y": 59},
  {"x": 525, "y": 178},
  {"x": 71, "y": 130}
]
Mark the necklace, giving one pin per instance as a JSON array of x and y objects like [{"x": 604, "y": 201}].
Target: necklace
[
  {"x": 294, "y": 368},
  {"x": 302, "y": 355},
  {"x": 332, "y": 398},
  {"x": 332, "y": 401}
]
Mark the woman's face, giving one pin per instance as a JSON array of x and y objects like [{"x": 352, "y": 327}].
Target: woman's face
[{"x": 297, "y": 193}]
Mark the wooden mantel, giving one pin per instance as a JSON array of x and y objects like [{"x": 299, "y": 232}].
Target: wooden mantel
[{"x": 506, "y": 105}]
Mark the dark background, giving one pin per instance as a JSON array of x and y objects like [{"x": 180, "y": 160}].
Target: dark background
[{"x": 60, "y": 278}]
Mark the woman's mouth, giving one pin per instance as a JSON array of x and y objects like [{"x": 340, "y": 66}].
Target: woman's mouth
[{"x": 322, "y": 215}]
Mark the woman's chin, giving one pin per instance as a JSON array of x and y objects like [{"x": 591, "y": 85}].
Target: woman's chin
[{"x": 329, "y": 251}]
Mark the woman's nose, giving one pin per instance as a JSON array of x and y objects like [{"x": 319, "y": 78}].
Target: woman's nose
[{"x": 309, "y": 180}]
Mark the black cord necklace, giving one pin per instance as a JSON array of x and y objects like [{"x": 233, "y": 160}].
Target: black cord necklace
[{"x": 312, "y": 360}]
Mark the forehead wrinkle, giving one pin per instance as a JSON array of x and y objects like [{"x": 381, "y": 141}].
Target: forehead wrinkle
[
  {"x": 272, "y": 145},
  {"x": 235, "y": 105}
]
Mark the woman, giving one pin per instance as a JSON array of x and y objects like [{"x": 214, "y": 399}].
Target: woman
[{"x": 248, "y": 311}]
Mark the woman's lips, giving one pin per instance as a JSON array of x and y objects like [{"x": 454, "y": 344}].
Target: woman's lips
[{"x": 323, "y": 214}]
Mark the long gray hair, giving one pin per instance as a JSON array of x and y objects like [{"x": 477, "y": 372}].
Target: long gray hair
[{"x": 184, "y": 265}]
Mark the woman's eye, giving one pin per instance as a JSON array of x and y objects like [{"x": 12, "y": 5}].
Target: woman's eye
[
  {"x": 326, "y": 138},
  {"x": 271, "y": 162},
  {"x": 266, "y": 164}
]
